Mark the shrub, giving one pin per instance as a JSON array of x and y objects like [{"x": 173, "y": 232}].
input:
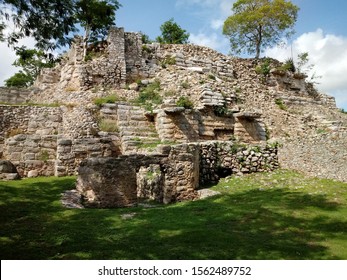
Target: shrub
[
  {"x": 289, "y": 65},
  {"x": 150, "y": 94},
  {"x": 280, "y": 104},
  {"x": 168, "y": 60},
  {"x": 184, "y": 101},
  {"x": 264, "y": 69},
  {"x": 220, "y": 111},
  {"x": 212, "y": 77}
]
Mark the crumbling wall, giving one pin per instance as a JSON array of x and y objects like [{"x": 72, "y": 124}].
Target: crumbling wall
[
  {"x": 171, "y": 176},
  {"x": 14, "y": 95},
  {"x": 29, "y": 120},
  {"x": 187, "y": 56}
]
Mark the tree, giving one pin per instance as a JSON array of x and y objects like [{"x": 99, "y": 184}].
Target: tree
[
  {"x": 256, "y": 24},
  {"x": 96, "y": 17},
  {"x": 19, "y": 80},
  {"x": 52, "y": 22},
  {"x": 31, "y": 61},
  {"x": 172, "y": 33},
  {"x": 49, "y": 22}
]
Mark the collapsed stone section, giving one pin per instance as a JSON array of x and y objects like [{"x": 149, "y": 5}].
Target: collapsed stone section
[
  {"x": 174, "y": 175},
  {"x": 119, "y": 182}
]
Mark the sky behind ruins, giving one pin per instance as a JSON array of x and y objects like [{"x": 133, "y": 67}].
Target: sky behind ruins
[{"x": 321, "y": 30}]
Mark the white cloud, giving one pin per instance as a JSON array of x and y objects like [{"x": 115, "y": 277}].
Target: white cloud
[
  {"x": 213, "y": 41},
  {"x": 217, "y": 23},
  {"x": 8, "y": 55},
  {"x": 328, "y": 53},
  {"x": 7, "y": 58},
  {"x": 215, "y": 11}
]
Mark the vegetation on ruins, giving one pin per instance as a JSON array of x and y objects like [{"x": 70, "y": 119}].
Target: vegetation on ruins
[
  {"x": 257, "y": 24},
  {"x": 96, "y": 17},
  {"x": 113, "y": 98},
  {"x": 108, "y": 125},
  {"x": 31, "y": 62},
  {"x": 150, "y": 94},
  {"x": 280, "y": 104},
  {"x": 172, "y": 33},
  {"x": 185, "y": 102},
  {"x": 279, "y": 215}
]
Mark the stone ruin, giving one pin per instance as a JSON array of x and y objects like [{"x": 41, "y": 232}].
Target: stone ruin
[{"x": 124, "y": 151}]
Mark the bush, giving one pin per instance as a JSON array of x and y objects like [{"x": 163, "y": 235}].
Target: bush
[
  {"x": 220, "y": 111},
  {"x": 280, "y": 104},
  {"x": 289, "y": 65},
  {"x": 264, "y": 69},
  {"x": 184, "y": 101},
  {"x": 150, "y": 94}
]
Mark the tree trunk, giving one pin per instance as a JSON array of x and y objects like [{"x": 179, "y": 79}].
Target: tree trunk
[
  {"x": 259, "y": 41},
  {"x": 85, "y": 41}
]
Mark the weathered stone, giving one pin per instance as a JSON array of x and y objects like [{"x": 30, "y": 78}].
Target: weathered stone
[{"x": 33, "y": 174}]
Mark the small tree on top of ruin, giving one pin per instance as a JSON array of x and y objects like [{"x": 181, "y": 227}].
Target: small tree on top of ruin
[
  {"x": 257, "y": 24},
  {"x": 96, "y": 17},
  {"x": 172, "y": 33}
]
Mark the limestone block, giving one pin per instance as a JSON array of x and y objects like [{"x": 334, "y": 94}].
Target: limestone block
[{"x": 33, "y": 174}]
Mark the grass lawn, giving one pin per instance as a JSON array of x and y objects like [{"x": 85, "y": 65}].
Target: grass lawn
[{"x": 280, "y": 215}]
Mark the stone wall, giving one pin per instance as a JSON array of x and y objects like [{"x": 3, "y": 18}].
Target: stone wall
[
  {"x": 29, "y": 120},
  {"x": 173, "y": 175},
  {"x": 70, "y": 152},
  {"x": 220, "y": 159},
  {"x": 14, "y": 95},
  {"x": 187, "y": 56},
  {"x": 33, "y": 155},
  {"x": 322, "y": 156}
]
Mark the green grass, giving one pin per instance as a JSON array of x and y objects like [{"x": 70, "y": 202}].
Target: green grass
[{"x": 281, "y": 215}]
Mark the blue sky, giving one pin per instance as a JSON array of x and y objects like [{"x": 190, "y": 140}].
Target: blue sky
[{"x": 321, "y": 30}]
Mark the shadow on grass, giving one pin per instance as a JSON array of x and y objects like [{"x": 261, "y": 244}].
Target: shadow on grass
[{"x": 269, "y": 224}]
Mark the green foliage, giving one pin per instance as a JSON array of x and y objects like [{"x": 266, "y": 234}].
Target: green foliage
[
  {"x": 277, "y": 215},
  {"x": 236, "y": 147},
  {"x": 257, "y": 24},
  {"x": 44, "y": 156},
  {"x": 49, "y": 22},
  {"x": 343, "y": 111},
  {"x": 108, "y": 125},
  {"x": 96, "y": 17},
  {"x": 150, "y": 94},
  {"x": 113, "y": 98},
  {"x": 289, "y": 65},
  {"x": 20, "y": 80},
  {"x": 212, "y": 77},
  {"x": 172, "y": 33},
  {"x": 31, "y": 61},
  {"x": 280, "y": 104},
  {"x": 221, "y": 111},
  {"x": 168, "y": 60},
  {"x": 264, "y": 69},
  {"x": 185, "y": 102},
  {"x": 145, "y": 39}
]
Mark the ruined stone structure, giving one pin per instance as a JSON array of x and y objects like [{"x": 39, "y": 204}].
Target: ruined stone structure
[
  {"x": 173, "y": 175},
  {"x": 229, "y": 102}
]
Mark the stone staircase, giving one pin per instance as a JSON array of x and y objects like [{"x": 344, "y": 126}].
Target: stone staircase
[{"x": 137, "y": 133}]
